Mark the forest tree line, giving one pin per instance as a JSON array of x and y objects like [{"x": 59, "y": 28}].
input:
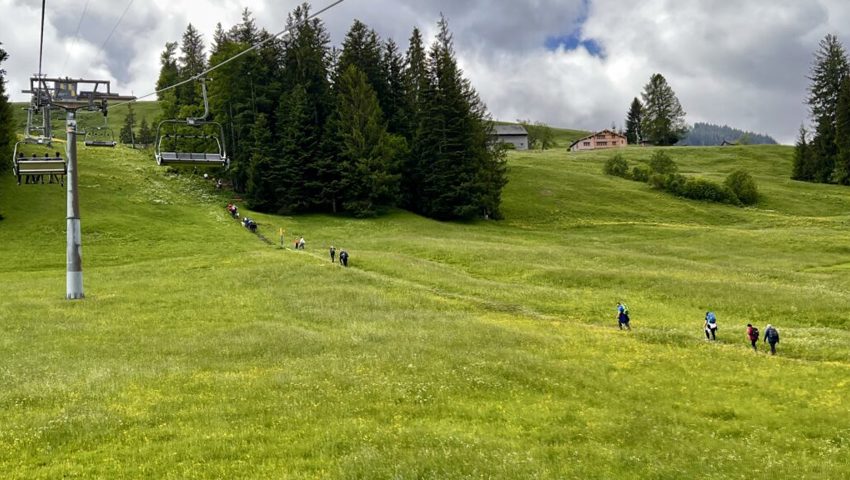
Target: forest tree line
[{"x": 356, "y": 130}]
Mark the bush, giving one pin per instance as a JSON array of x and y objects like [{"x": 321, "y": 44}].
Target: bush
[
  {"x": 662, "y": 163},
  {"x": 675, "y": 183},
  {"x": 617, "y": 166},
  {"x": 640, "y": 174},
  {"x": 701, "y": 189},
  {"x": 656, "y": 180},
  {"x": 744, "y": 187}
]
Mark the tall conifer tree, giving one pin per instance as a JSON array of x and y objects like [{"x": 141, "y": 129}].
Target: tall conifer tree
[
  {"x": 7, "y": 125},
  {"x": 462, "y": 177},
  {"x": 842, "y": 133},
  {"x": 368, "y": 155},
  {"x": 803, "y": 168},
  {"x": 829, "y": 70},
  {"x": 633, "y": 122},
  {"x": 663, "y": 120}
]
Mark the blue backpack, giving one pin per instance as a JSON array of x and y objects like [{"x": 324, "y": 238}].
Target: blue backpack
[{"x": 711, "y": 318}]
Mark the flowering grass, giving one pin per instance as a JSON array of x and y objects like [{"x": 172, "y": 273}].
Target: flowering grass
[{"x": 447, "y": 350}]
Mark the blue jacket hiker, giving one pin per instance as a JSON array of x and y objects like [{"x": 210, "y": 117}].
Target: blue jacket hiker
[
  {"x": 771, "y": 336},
  {"x": 710, "y": 326},
  {"x": 623, "y": 316}
]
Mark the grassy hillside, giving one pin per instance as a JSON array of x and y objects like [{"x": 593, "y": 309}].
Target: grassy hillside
[
  {"x": 89, "y": 120},
  {"x": 481, "y": 350}
]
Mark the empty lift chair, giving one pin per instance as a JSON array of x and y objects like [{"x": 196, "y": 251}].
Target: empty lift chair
[
  {"x": 193, "y": 141},
  {"x": 100, "y": 136}
]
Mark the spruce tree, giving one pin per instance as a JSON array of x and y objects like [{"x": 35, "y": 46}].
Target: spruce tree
[
  {"x": 416, "y": 83},
  {"x": 829, "y": 70},
  {"x": 633, "y": 122},
  {"x": 663, "y": 120},
  {"x": 169, "y": 74},
  {"x": 394, "y": 105},
  {"x": 368, "y": 155},
  {"x": 7, "y": 125},
  {"x": 305, "y": 76},
  {"x": 193, "y": 60},
  {"x": 295, "y": 174},
  {"x": 842, "y": 134},
  {"x": 146, "y": 135},
  {"x": 126, "y": 134},
  {"x": 261, "y": 188},
  {"x": 462, "y": 177},
  {"x": 803, "y": 168}
]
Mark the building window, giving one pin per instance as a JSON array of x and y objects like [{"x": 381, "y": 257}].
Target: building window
[
  {"x": 602, "y": 144},
  {"x": 586, "y": 144}
]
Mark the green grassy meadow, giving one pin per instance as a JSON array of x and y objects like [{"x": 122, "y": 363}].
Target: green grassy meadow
[
  {"x": 90, "y": 120},
  {"x": 447, "y": 350}
]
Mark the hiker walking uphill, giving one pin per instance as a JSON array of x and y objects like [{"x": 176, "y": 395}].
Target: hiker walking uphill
[
  {"x": 623, "y": 316},
  {"x": 771, "y": 336},
  {"x": 710, "y": 326},
  {"x": 333, "y": 253},
  {"x": 753, "y": 336},
  {"x": 343, "y": 258}
]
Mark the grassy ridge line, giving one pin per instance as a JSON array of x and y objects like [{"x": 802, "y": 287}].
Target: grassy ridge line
[{"x": 203, "y": 353}]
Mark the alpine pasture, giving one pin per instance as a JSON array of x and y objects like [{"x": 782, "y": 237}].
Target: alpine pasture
[{"x": 446, "y": 350}]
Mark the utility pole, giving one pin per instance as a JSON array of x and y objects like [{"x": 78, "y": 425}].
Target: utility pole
[
  {"x": 65, "y": 94},
  {"x": 74, "y": 252}
]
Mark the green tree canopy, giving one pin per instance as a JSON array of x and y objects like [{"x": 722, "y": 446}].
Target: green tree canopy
[{"x": 663, "y": 120}]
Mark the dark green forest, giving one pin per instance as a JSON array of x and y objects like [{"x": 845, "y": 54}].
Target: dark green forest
[
  {"x": 707, "y": 134},
  {"x": 356, "y": 129}
]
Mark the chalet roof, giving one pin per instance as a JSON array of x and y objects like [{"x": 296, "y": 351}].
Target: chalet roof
[
  {"x": 595, "y": 134},
  {"x": 509, "y": 130}
]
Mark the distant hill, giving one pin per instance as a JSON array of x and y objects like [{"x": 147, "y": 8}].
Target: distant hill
[
  {"x": 707, "y": 134},
  {"x": 88, "y": 120}
]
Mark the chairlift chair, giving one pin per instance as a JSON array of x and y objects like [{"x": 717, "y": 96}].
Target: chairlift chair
[
  {"x": 100, "y": 136},
  {"x": 54, "y": 166},
  {"x": 176, "y": 147}
]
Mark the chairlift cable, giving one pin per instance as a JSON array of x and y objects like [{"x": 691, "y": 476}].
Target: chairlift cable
[
  {"x": 41, "y": 41},
  {"x": 256, "y": 46},
  {"x": 120, "y": 19},
  {"x": 76, "y": 35}
]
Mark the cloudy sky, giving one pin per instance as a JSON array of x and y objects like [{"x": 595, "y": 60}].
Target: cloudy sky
[{"x": 570, "y": 63}]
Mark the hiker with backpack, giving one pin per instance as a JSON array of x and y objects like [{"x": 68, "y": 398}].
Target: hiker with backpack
[
  {"x": 771, "y": 336},
  {"x": 623, "y": 316},
  {"x": 753, "y": 336},
  {"x": 710, "y": 326}
]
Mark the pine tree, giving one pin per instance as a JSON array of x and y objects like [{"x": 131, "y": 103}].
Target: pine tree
[
  {"x": 126, "y": 134},
  {"x": 7, "y": 125},
  {"x": 296, "y": 175},
  {"x": 169, "y": 74},
  {"x": 842, "y": 134},
  {"x": 663, "y": 120},
  {"x": 462, "y": 177},
  {"x": 416, "y": 83},
  {"x": 633, "y": 122},
  {"x": 305, "y": 73},
  {"x": 362, "y": 49},
  {"x": 146, "y": 134},
  {"x": 829, "y": 70},
  {"x": 192, "y": 62},
  {"x": 803, "y": 158},
  {"x": 394, "y": 105},
  {"x": 261, "y": 187},
  {"x": 368, "y": 155}
]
